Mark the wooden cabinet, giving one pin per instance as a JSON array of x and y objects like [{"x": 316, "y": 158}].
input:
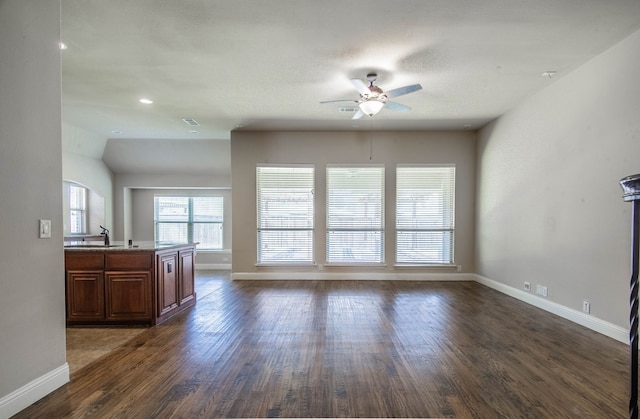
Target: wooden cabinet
[
  {"x": 175, "y": 282},
  {"x": 186, "y": 288},
  {"x": 128, "y": 296},
  {"x": 85, "y": 295},
  {"x": 128, "y": 286},
  {"x": 167, "y": 283},
  {"x": 85, "y": 286}
]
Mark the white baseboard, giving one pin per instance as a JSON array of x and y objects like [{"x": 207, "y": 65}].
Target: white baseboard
[
  {"x": 214, "y": 266},
  {"x": 608, "y": 329},
  {"x": 352, "y": 276},
  {"x": 30, "y": 393}
]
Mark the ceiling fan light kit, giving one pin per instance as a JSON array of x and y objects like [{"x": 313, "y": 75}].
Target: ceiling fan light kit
[
  {"x": 371, "y": 107},
  {"x": 373, "y": 98}
]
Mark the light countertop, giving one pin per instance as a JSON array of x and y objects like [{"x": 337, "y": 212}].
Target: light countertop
[{"x": 118, "y": 246}]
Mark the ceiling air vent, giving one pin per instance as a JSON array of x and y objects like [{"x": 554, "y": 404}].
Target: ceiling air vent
[
  {"x": 190, "y": 121},
  {"x": 347, "y": 109}
]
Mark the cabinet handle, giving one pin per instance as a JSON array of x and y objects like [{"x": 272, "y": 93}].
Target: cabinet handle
[{"x": 169, "y": 266}]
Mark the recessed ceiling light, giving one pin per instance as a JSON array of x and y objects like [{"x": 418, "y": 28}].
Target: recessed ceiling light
[
  {"x": 62, "y": 45},
  {"x": 192, "y": 131},
  {"x": 116, "y": 131},
  {"x": 549, "y": 73},
  {"x": 146, "y": 101}
]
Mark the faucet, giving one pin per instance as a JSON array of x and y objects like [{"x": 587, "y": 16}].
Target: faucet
[{"x": 106, "y": 235}]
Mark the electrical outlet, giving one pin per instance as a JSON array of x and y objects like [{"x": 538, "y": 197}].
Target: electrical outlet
[
  {"x": 527, "y": 286},
  {"x": 542, "y": 290},
  {"x": 586, "y": 306}
]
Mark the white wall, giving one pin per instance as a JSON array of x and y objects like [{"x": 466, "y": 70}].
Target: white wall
[
  {"x": 81, "y": 142},
  {"x": 82, "y": 163},
  {"x": 322, "y": 148},
  {"x": 32, "y": 314},
  {"x": 550, "y": 208}
]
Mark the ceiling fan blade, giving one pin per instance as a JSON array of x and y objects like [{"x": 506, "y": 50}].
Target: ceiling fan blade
[
  {"x": 340, "y": 101},
  {"x": 403, "y": 90},
  {"x": 361, "y": 86},
  {"x": 398, "y": 107},
  {"x": 358, "y": 114}
]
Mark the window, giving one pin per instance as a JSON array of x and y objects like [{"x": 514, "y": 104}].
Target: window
[
  {"x": 77, "y": 208},
  {"x": 181, "y": 219},
  {"x": 355, "y": 214},
  {"x": 425, "y": 197},
  {"x": 285, "y": 214}
]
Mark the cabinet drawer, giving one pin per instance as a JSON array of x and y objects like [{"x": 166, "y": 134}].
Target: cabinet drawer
[
  {"x": 129, "y": 261},
  {"x": 76, "y": 261}
]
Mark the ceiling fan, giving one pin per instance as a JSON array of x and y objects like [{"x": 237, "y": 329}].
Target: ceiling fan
[{"x": 373, "y": 99}]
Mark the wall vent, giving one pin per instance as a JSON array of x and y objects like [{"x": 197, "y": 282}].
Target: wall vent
[{"x": 190, "y": 121}]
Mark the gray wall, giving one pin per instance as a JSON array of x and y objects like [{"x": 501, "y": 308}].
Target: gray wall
[
  {"x": 207, "y": 167},
  {"x": 32, "y": 315},
  {"x": 550, "y": 208},
  {"x": 133, "y": 206},
  {"x": 143, "y": 225},
  {"x": 322, "y": 148}
]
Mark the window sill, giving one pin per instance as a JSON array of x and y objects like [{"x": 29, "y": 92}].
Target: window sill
[
  {"x": 286, "y": 265},
  {"x": 355, "y": 265},
  {"x": 426, "y": 265}
]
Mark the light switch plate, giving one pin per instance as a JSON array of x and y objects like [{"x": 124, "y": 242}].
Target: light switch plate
[{"x": 45, "y": 229}]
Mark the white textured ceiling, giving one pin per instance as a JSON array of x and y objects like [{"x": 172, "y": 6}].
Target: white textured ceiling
[{"x": 266, "y": 64}]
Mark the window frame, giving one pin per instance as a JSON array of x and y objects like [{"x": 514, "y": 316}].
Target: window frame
[
  {"x": 83, "y": 209},
  {"x": 295, "y": 180},
  {"x": 445, "y": 223},
  {"x": 334, "y": 227},
  {"x": 190, "y": 222}
]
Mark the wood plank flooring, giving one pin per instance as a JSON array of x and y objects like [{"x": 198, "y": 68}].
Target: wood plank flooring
[
  {"x": 88, "y": 344},
  {"x": 352, "y": 349}
]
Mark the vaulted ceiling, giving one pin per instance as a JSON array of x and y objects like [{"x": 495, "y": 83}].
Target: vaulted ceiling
[{"x": 264, "y": 64}]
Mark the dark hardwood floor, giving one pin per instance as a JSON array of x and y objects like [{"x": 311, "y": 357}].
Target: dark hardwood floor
[{"x": 352, "y": 349}]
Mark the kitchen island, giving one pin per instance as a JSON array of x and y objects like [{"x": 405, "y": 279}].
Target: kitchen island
[{"x": 145, "y": 283}]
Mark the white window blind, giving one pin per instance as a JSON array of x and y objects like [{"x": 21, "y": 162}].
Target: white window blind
[
  {"x": 77, "y": 209},
  {"x": 185, "y": 219},
  {"x": 425, "y": 214},
  {"x": 355, "y": 214},
  {"x": 285, "y": 214}
]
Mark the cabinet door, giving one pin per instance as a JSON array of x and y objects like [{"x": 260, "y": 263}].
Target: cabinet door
[
  {"x": 85, "y": 295},
  {"x": 186, "y": 277},
  {"x": 128, "y": 295},
  {"x": 167, "y": 283}
]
